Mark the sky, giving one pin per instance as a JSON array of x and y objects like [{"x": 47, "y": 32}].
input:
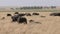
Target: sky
[{"x": 29, "y": 2}]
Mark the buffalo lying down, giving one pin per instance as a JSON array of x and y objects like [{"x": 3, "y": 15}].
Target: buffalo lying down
[
  {"x": 55, "y": 14},
  {"x": 27, "y": 14},
  {"x": 9, "y": 15},
  {"x": 35, "y": 14},
  {"x": 16, "y": 13},
  {"x": 21, "y": 14}
]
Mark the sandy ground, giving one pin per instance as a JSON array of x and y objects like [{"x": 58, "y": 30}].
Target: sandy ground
[{"x": 47, "y": 25}]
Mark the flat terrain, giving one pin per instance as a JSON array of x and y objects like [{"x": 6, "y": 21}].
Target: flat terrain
[{"x": 47, "y": 25}]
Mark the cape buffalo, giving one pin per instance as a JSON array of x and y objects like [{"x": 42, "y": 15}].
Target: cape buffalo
[
  {"x": 16, "y": 13},
  {"x": 35, "y": 14},
  {"x": 22, "y": 20},
  {"x": 28, "y": 14},
  {"x": 9, "y": 15},
  {"x": 15, "y": 17},
  {"x": 21, "y": 14},
  {"x": 55, "y": 14}
]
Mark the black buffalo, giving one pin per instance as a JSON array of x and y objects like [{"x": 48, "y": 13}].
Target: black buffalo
[
  {"x": 9, "y": 15},
  {"x": 22, "y": 20},
  {"x": 28, "y": 14},
  {"x": 16, "y": 13},
  {"x": 21, "y": 14},
  {"x": 35, "y": 14},
  {"x": 15, "y": 17},
  {"x": 55, "y": 14}
]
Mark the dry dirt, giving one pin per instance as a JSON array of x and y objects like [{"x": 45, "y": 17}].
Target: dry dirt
[{"x": 48, "y": 24}]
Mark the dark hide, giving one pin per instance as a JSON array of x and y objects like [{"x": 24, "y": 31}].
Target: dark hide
[
  {"x": 55, "y": 14},
  {"x": 28, "y": 14},
  {"x": 22, "y": 20},
  {"x": 35, "y": 14},
  {"x": 16, "y": 13},
  {"x": 9, "y": 15}
]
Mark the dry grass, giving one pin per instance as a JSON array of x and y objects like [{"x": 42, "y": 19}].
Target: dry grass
[{"x": 49, "y": 25}]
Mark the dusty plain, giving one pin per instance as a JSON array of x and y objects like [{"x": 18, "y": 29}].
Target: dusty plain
[{"x": 47, "y": 25}]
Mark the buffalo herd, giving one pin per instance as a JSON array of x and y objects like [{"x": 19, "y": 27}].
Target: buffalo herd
[{"x": 21, "y": 19}]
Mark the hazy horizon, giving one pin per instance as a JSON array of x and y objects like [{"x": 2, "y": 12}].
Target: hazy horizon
[{"x": 29, "y": 2}]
